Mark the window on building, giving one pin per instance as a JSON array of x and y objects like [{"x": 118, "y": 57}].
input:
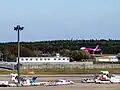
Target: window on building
[
  {"x": 40, "y": 58},
  {"x": 59, "y": 59},
  {"x": 22, "y": 59},
  {"x": 63, "y": 58},
  {"x": 48, "y": 58},
  {"x": 36, "y": 59},
  {"x": 54, "y": 58},
  {"x": 26, "y": 59},
  {"x": 31, "y": 59},
  {"x": 45, "y": 59}
]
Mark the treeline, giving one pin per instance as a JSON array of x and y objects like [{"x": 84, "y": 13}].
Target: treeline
[{"x": 8, "y": 51}]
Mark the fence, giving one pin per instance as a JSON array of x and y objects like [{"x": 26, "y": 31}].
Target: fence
[
  {"x": 73, "y": 65},
  {"x": 70, "y": 65},
  {"x": 6, "y": 65}
]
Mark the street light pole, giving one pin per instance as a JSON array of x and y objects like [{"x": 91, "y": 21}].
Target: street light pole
[{"x": 18, "y": 28}]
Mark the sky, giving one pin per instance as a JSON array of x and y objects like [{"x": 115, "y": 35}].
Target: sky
[{"x": 59, "y": 19}]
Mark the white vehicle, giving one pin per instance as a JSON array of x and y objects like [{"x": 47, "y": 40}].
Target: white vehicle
[
  {"x": 64, "y": 81},
  {"x": 4, "y": 84},
  {"x": 107, "y": 78},
  {"x": 32, "y": 82},
  {"x": 87, "y": 80},
  {"x": 60, "y": 82},
  {"x": 103, "y": 78},
  {"x": 23, "y": 82}
]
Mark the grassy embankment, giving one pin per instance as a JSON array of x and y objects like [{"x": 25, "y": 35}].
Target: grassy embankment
[{"x": 65, "y": 71}]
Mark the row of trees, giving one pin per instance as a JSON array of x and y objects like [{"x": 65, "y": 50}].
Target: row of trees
[{"x": 71, "y": 48}]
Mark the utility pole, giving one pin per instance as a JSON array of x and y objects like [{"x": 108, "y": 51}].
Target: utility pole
[
  {"x": 18, "y": 28},
  {"x": 2, "y": 57}
]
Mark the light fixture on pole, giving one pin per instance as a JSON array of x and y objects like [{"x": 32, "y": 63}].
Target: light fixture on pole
[{"x": 18, "y": 28}]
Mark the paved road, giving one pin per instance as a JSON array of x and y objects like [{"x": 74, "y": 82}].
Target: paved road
[
  {"x": 76, "y": 86},
  {"x": 74, "y": 77},
  {"x": 58, "y": 75}
]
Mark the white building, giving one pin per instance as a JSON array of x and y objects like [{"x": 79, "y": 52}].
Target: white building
[
  {"x": 107, "y": 59},
  {"x": 57, "y": 58}
]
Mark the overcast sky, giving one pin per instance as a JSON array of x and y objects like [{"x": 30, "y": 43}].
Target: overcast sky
[{"x": 59, "y": 19}]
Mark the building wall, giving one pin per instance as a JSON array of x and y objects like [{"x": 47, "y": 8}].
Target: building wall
[
  {"x": 107, "y": 60},
  {"x": 43, "y": 59}
]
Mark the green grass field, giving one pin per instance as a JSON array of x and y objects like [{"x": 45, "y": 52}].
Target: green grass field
[{"x": 65, "y": 71}]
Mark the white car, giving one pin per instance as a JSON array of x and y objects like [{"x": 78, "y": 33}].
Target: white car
[
  {"x": 4, "y": 84},
  {"x": 87, "y": 80},
  {"x": 64, "y": 81},
  {"x": 60, "y": 82}
]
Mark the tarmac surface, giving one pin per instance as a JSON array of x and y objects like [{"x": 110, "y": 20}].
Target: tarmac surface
[{"x": 76, "y": 86}]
